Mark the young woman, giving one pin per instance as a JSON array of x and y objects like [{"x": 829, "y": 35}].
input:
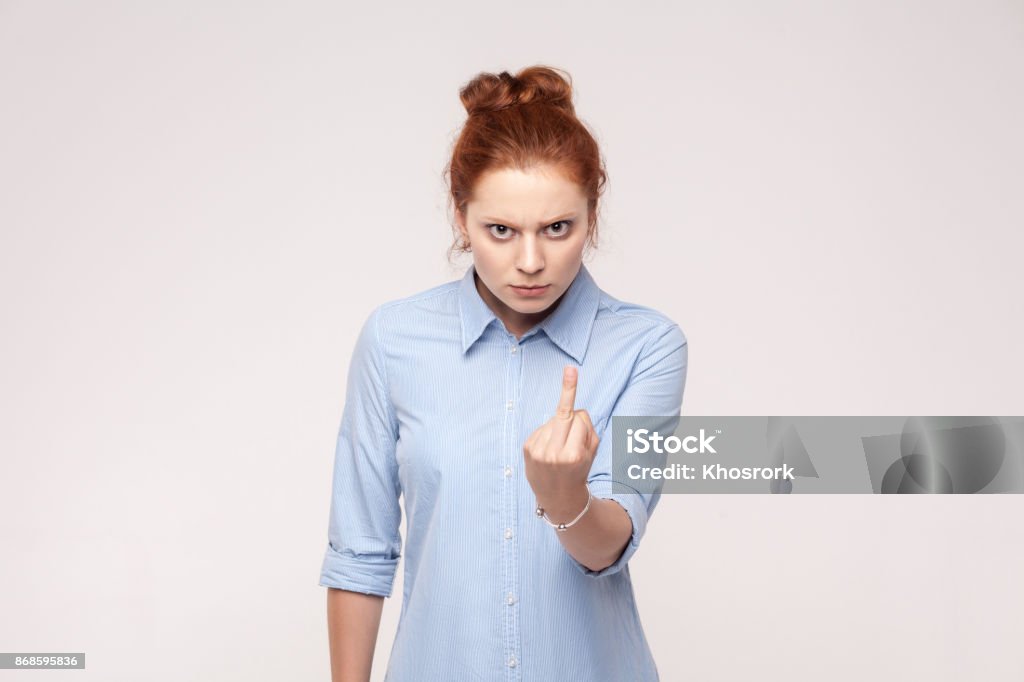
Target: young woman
[{"x": 486, "y": 403}]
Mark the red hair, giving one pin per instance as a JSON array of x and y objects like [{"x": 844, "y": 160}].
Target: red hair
[{"x": 521, "y": 121}]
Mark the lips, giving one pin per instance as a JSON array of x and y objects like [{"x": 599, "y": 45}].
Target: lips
[{"x": 530, "y": 291}]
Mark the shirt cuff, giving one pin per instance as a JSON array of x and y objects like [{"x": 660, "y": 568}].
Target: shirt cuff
[
  {"x": 367, "y": 574},
  {"x": 635, "y": 506}
]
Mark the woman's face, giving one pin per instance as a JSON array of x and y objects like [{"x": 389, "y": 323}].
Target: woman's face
[{"x": 526, "y": 229}]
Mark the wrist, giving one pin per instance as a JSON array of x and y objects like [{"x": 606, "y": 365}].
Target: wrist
[{"x": 564, "y": 506}]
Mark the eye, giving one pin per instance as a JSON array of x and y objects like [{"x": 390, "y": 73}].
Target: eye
[
  {"x": 566, "y": 224},
  {"x": 497, "y": 233}
]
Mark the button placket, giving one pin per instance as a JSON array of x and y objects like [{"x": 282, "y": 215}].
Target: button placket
[{"x": 510, "y": 496}]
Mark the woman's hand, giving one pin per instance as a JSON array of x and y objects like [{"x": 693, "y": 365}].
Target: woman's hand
[{"x": 559, "y": 454}]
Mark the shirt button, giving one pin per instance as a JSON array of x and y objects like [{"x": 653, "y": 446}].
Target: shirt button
[
  {"x": 508, "y": 405},
  {"x": 514, "y": 349},
  {"x": 508, "y": 471},
  {"x": 512, "y": 662},
  {"x": 508, "y": 533},
  {"x": 511, "y": 599}
]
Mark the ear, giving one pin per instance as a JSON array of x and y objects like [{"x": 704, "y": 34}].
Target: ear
[{"x": 460, "y": 222}]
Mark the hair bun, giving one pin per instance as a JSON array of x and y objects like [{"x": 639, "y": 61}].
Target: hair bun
[{"x": 489, "y": 92}]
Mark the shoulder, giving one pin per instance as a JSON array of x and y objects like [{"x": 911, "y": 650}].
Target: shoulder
[
  {"x": 418, "y": 311},
  {"x": 648, "y": 324},
  {"x": 434, "y": 296}
]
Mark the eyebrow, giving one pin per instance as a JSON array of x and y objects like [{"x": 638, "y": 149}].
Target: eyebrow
[{"x": 571, "y": 215}]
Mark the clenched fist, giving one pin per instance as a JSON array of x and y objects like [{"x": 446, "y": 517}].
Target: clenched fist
[{"x": 559, "y": 454}]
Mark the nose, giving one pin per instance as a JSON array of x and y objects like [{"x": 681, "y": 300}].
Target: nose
[{"x": 530, "y": 257}]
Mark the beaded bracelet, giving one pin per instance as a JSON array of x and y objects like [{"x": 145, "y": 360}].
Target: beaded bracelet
[{"x": 564, "y": 526}]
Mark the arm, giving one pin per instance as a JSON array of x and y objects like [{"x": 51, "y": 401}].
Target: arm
[
  {"x": 599, "y": 537},
  {"x": 655, "y": 388},
  {"x": 353, "y": 621},
  {"x": 363, "y": 540}
]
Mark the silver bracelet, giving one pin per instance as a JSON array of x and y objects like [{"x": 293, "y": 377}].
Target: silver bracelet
[{"x": 563, "y": 526}]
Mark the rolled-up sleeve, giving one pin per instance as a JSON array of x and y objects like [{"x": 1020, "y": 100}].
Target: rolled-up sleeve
[
  {"x": 363, "y": 539},
  {"x": 655, "y": 388}
]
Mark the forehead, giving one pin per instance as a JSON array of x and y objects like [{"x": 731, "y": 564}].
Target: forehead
[{"x": 537, "y": 190}]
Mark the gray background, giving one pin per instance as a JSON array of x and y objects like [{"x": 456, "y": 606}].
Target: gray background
[{"x": 201, "y": 202}]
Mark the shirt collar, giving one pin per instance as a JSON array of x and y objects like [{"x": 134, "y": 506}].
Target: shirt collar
[{"x": 568, "y": 326}]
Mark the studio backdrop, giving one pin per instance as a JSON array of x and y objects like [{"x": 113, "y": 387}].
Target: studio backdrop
[{"x": 202, "y": 202}]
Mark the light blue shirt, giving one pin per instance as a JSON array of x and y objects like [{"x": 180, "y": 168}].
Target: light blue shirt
[{"x": 439, "y": 401}]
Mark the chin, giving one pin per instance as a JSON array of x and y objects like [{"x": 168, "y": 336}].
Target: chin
[{"x": 533, "y": 306}]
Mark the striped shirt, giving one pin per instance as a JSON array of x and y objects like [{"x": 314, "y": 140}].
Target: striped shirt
[{"x": 440, "y": 398}]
